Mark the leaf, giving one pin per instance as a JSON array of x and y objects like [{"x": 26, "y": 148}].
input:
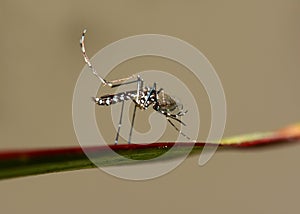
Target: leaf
[{"x": 38, "y": 161}]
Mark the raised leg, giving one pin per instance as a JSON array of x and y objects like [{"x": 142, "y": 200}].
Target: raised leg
[
  {"x": 113, "y": 83},
  {"x": 132, "y": 123},
  {"x": 120, "y": 123},
  {"x": 87, "y": 60}
]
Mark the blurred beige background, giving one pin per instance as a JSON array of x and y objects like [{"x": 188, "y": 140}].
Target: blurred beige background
[{"x": 255, "y": 49}]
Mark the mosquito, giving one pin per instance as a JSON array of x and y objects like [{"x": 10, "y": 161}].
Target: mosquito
[{"x": 143, "y": 97}]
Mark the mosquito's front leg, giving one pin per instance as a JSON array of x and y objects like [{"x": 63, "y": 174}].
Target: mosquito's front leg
[{"x": 177, "y": 129}]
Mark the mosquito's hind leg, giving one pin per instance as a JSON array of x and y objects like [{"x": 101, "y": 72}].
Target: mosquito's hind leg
[
  {"x": 87, "y": 60},
  {"x": 113, "y": 83}
]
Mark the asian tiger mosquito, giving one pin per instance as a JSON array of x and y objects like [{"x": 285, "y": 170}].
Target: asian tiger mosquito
[{"x": 143, "y": 97}]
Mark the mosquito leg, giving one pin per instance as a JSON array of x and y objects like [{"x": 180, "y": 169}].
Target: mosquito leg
[
  {"x": 168, "y": 115},
  {"x": 140, "y": 83},
  {"x": 113, "y": 83},
  {"x": 87, "y": 60},
  {"x": 120, "y": 123},
  {"x": 187, "y": 137},
  {"x": 174, "y": 118},
  {"x": 132, "y": 123}
]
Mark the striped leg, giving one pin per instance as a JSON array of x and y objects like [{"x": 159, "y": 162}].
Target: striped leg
[
  {"x": 120, "y": 123},
  {"x": 113, "y": 83},
  {"x": 177, "y": 129},
  {"x": 132, "y": 123}
]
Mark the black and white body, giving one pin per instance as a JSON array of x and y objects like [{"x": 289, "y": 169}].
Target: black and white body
[{"x": 143, "y": 97}]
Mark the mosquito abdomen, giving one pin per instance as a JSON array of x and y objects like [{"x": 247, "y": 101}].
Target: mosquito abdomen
[{"x": 115, "y": 98}]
